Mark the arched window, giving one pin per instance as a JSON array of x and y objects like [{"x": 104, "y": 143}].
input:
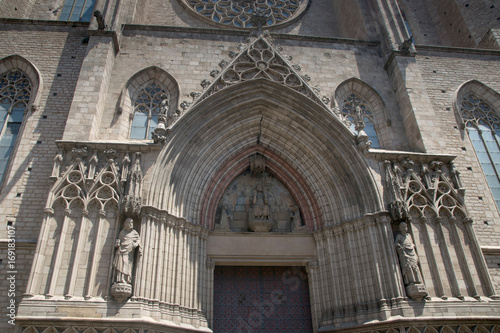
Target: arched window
[
  {"x": 77, "y": 10},
  {"x": 15, "y": 92},
  {"x": 151, "y": 100},
  {"x": 483, "y": 125},
  {"x": 359, "y": 114}
]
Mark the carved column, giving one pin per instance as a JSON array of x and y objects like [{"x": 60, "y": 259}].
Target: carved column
[
  {"x": 462, "y": 257},
  {"x": 58, "y": 253},
  {"x": 374, "y": 256},
  {"x": 320, "y": 246},
  {"x": 455, "y": 289},
  {"x": 431, "y": 258},
  {"x": 39, "y": 258},
  {"x": 142, "y": 262},
  {"x": 79, "y": 249},
  {"x": 312, "y": 270},
  {"x": 353, "y": 266},
  {"x": 210, "y": 270},
  {"x": 95, "y": 257},
  {"x": 390, "y": 256},
  {"x": 479, "y": 260}
]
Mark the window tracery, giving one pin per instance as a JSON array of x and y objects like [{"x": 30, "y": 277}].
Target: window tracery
[
  {"x": 150, "y": 102},
  {"x": 359, "y": 114},
  {"x": 15, "y": 93},
  {"x": 238, "y": 13},
  {"x": 483, "y": 125}
]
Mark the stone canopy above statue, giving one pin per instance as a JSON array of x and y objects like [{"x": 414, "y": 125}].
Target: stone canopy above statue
[{"x": 259, "y": 202}]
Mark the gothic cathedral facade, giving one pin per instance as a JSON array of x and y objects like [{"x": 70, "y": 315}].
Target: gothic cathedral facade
[{"x": 249, "y": 166}]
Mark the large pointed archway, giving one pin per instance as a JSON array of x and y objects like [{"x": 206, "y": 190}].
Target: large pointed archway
[{"x": 309, "y": 148}]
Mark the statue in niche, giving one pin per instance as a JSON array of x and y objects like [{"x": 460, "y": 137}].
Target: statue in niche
[
  {"x": 296, "y": 220},
  {"x": 408, "y": 261},
  {"x": 125, "y": 245}
]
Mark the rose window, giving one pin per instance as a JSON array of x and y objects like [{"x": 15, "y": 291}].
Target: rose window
[{"x": 238, "y": 13}]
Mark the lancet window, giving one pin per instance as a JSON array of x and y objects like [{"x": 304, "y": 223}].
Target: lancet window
[
  {"x": 77, "y": 10},
  {"x": 150, "y": 102},
  {"x": 15, "y": 92},
  {"x": 360, "y": 116},
  {"x": 483, "y": 125}
]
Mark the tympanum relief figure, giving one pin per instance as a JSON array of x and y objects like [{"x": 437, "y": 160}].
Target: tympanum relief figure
[
  {"x": 408, "y": 260},
  {"x": 296, "y": 220},
  {"x": 259, "y": 217},
  {"x": 256, "y": 200},
  {"x": 126, "y": 244}
]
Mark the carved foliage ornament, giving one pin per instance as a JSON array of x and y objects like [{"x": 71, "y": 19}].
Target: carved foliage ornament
[{"x": 238, "y": 13}]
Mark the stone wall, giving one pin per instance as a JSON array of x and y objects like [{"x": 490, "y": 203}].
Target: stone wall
[
  {"x": 23, "y": 193},
  {"x": 444, "y": 72}
]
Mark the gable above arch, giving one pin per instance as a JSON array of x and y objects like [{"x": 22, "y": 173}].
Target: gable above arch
[{"x": 262, "y": 60}]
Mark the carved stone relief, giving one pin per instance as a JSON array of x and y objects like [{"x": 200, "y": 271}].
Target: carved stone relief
[{"x": 261, "y": 203}]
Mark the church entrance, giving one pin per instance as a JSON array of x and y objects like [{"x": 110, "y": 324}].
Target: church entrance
[{"x": 261, "y": 299}]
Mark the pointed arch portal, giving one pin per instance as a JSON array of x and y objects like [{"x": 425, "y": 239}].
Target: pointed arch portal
[{"x": 308, "y": 148}]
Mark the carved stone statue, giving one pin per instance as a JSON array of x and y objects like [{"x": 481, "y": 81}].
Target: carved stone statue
[
  {"x": 260, "y": 207},
  {"x": 259, "y": 218},
  {"x": 408, "y": 260},
  {"x": 125, "y": 245},
  {"x": 296, "y": 220}
]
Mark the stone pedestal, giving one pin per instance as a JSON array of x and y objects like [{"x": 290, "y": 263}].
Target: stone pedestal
[
  {"x": 260, "y": 225},
  {"x": 121, "y": 291},
  {"x": 416, "y": 292}
]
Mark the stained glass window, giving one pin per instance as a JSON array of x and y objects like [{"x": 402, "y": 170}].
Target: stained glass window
[
  {"x": 356, "y": 110},
  {"x": 77, "y": 10},
  {"x": 15, "y": 92},
  {"x": 483, "y": 125},
  {"x": 147, "y": 107},
  {"x": 238, "y": 13}
]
